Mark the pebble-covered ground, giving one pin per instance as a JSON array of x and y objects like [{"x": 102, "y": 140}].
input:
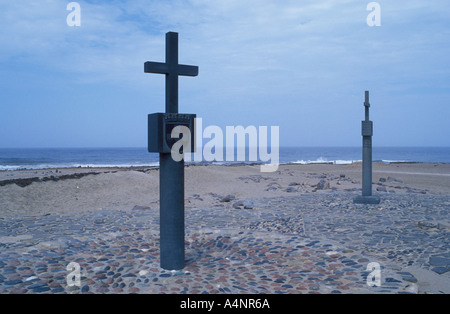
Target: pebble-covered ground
[{"x": 312, "y": 243}]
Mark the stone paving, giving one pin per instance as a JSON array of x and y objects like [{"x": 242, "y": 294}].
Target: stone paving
[{"x": 311, "y": 243}]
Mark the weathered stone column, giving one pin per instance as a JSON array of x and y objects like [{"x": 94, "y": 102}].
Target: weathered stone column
[{"x": 367, "y": 133}]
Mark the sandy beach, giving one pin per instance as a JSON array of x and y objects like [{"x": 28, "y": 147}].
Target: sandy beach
[
  {"x": 71, "y": 190},
  {"x": 292, "y": 231}
]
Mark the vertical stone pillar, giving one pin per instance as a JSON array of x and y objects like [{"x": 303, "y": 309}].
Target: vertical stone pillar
[{"x": 367, "y": 133}]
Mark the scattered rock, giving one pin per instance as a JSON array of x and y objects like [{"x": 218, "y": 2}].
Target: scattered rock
[
  {"x": 323, "y": 185},
  {"x": 143, "y": 272},
  {"x": 407, "y": 276},
  {"x": 228, "y": 198},
  {"x": 99, "y": 221},
  {"x": 392, "y": 179},
  {"x": 238, "y": 205},
  {"x": 382, "y": 180},
  {"x": 244, "y": 204},
  {"x": 440, "y": 270},
  {"x": 273, "y": 186},
  {"x": 137, "y": 207},
  {"x": 215, "y": 195},
  {"x": 248, "y": 205},
  {"x": 26, "y": 182},
  {"x": 443, "y": 225},
  {"x": 411, "y": 288},
  {"x": 426, "y": 225},
  {"x": 255, "y": 178},
  {"x": 381, "y": 189},
  {"x": 439, "y": 261},
  {"x": 290, "y": 189},
  {"x": 197, "y": 197}
]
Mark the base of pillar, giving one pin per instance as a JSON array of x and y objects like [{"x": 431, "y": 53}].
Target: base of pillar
[{"x": 367, "y": 200}]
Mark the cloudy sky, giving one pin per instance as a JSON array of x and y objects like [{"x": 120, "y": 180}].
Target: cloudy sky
[{"x": 301, "y": 65}]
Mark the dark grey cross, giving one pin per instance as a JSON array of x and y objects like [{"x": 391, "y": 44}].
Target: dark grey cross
[
  {"x": 172, "y": 70},
  {"x": 171, "y": 172}
]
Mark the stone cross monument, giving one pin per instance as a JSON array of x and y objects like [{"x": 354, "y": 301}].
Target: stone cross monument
[
  {"x": 160, "y": 140},
  {"x": 367, "y": 133}
]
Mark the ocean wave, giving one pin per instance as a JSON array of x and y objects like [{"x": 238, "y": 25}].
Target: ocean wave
[
  {"x": 62, "y": 166},
  {"x": 5, "y": 168},
  {"x": 323, "y": 161},
  {"x": 395, "y": 161},
  {"x": 346, "y": 162},
  {"x": 152, "y": 164}
]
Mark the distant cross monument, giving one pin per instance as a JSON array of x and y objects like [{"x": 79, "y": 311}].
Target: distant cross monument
[
  {"x": 171, "y": 177},
  {"x": 367, "y": 133}
]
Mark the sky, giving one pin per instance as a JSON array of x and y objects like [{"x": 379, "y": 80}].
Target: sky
[{"x": 301, "y": 65}]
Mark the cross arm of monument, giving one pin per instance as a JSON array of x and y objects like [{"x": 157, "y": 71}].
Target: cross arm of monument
[
  {"x": 367, "y": 106},
  {"x": 164, "y": 68},
  {"x": 367, "y": 103}
]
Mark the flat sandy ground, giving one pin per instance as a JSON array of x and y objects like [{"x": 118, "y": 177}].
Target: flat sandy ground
[
  {"x": 36, "y": 192},
  {"x": 46, "y": 213}
]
